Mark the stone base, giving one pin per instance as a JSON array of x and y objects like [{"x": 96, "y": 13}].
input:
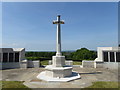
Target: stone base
[
  {"x": 58, "y": 61},
  {"x": 63, "y": 74},
  {"x": 43, "y": 76},
  {"x": 58, "y": 72}
]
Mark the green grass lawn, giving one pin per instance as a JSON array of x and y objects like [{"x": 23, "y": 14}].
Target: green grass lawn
[
  {"x": 16, "y": 85},
  {"x": 77, "y": 63},
  {"x": 101, "y": 84},
  {"x": 13, "y": 84},
  {"x": 45, "y": 62}
]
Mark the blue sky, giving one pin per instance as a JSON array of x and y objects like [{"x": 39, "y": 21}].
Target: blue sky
[{"x": 87, "y": 24}]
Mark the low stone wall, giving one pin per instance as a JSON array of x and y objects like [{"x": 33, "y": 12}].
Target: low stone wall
[
  {"x": 94, "y": 64},
  {"x": 111, "y": 65},
  {"x": 36, "y": 64},
  {"x": 33, "y": 64},
  {"x": 89, "y": 64},
  {"x": 23, "y": 64},
  {"x": 9, "y": 65},
  {"x": 70, "y": 62},
  {"x": 67, "y": 62},
  {"x": 99, "y": 64}
]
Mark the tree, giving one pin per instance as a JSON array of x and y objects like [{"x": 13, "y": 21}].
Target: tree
[{"x": 84, "y": 54}]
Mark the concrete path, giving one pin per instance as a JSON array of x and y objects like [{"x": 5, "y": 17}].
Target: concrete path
[{"x": 88, "y": 75}]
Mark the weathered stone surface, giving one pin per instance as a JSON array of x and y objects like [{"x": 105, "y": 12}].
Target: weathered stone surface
[
  {"x": 33, "y": 64},
  {"x": 89, "y": 64},
  {"x": 60, "y": 72},
  {"x": 58, "y": 61}
]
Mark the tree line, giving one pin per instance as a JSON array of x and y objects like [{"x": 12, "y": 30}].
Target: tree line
[{"x": 80, "y": 54}]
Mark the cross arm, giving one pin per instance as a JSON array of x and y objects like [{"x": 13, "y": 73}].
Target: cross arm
[{"x": 58, "y": 22}]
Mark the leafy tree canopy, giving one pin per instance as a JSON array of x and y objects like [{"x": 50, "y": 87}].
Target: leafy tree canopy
[{"x": 84, "y": 54}]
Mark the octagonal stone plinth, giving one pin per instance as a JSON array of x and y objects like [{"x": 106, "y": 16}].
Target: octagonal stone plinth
[
  {"x": 61, "y": 74},
  {"x": 58, "y": 72}
]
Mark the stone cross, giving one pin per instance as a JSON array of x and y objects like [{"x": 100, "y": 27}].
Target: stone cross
[
  {"x": 58, "y": 71},
  {"x": 58, "y": 46}
]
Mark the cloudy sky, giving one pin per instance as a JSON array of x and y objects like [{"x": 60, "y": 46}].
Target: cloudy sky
[{"x": 87, "y": 24}]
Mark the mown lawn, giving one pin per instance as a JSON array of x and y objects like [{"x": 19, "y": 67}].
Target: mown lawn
[
  {"x": 45, "y": 62},
  {"x": 16, "y": 85},
  {"x": 13, "y": 84},
  {"x": 102, "y": 84},
  {"x": 77, "y": 63}
]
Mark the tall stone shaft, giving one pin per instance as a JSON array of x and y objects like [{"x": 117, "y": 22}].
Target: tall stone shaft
[{"x": 58, "y": 45}]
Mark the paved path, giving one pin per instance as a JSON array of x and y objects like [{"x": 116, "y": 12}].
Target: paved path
[{"x": 88, "y": 75}]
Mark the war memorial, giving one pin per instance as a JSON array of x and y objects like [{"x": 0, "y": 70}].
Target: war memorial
[
  {"x": 106, "y": 63},
  {"x": 58, "y": 71},
  {"x": 107, "y": 57}
]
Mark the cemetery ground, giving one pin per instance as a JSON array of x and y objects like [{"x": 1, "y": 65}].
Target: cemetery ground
[{"x": 90, "y": 78}]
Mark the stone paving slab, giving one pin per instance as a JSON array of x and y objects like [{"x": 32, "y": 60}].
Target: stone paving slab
[{"x": 88, "y": 75}]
